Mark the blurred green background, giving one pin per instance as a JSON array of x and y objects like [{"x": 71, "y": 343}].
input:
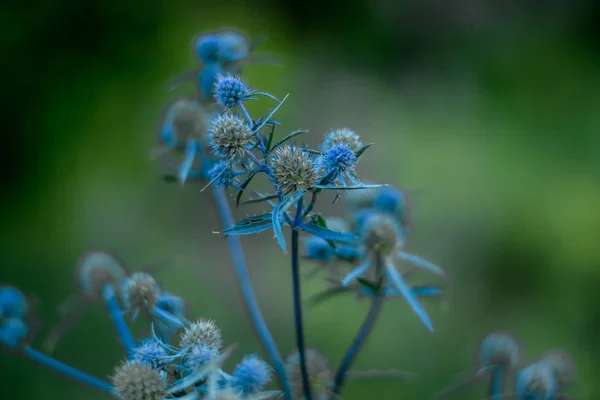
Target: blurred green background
[{"x": 487, "y": 112}]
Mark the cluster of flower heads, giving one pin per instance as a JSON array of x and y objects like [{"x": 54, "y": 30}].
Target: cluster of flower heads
[
  {"x": 376, "y": 264},
  {"x": 212, "y": 138},
  {"x": 500, "y": 359}
]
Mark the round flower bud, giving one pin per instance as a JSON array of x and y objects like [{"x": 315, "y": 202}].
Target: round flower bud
[
  {"x": 140, "y": 291},
  {"x": 230, "y": 90},
  {"x": 341, "y": 136},
  {"x": 338, "y": 159},
  {"x": 222, "y": 175},
  {"x": 137, "y": 381},
  {"x": 291, "y": 169},
  {"x": 229, "y": 136},
  {"x": 251, "y": 375},
  {"x": 499, "y": 349},
  {"x": 392, "y": 201},
  {"x": 207, "y": 48},
  {"x": 14, "y": 331},
  {"x": 12, "y": 303},
  {"x": 319, "y": 374},
  {"x": 537, "y": 381},
  {"x": 199, "y": 355},
  {"x": 97, "y": 269},
  {"x": 184, "y": 119},
  {"x": 380, "y": 233},
  {"x": 203, "y": 331},
  {"x": 152, "y": 353}
]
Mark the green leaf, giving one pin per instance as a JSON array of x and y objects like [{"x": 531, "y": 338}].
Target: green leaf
[
  {"x": 259, "y": 199},
  {"x": 320, "y": 220},
  {"x": 376, "y": 287}
]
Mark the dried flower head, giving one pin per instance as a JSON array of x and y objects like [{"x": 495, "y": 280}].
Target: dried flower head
[
  {"x": 251, "y": 375},
  {"x": 184, "y": 119},
  {"x": 380, "y": 233},
  {"x": 499, "y": 349},
  {"x": 140, "y": 292},
  {"x": 319, "y": 374},
  {"x": 98, "y": 268},
  {"x": 536, "y": 381},
  {"x": 203, "y": 331},
  {"x": 291, "y": 169},
  {"x": 137, "y": 381},
  {"x": 153, "y": 353},
  {"x": 341, "y": 136},
  {"x": 231, "y": 90},
  {"x": 229, "y": 136}
]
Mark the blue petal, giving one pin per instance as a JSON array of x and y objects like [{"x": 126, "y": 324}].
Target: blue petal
[
  {"x": 356, "y": 272},
  {"x": 420, "y": 262},
  {"x": 395, "y": 277},
  {"x": 186, "y": 166}
]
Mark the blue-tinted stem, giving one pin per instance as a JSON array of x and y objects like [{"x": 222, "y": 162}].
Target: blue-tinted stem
[
  {"x": 246, "y": 114},
  {"x": 67, "y": 370},
  {"x": 297, "y": 292},
  {"x": 241, "y": 271},
  {"x": 116, "y": 315},
  {"x": 359, "y": 340},
  {"x": 496, "y": 388}
]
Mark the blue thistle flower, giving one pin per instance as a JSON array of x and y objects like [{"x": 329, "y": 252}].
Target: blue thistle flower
[
  {"x": 200, "y": 355},
  {"x": 140, "y": 291},
  {"x": 98, "y": 268},
  {"x": 201, "y": 332},
  {"x": 13, "y": 331},
  {"x": 537, "y": 382},
  {"x": 291, "y": 169},
  {"x": 138, "y": 381},
  {"x": 222, "y": 47},
  {"x": 251, "y": 375},
  {"x": 223, "y": 175},
  {"x": 153, "y": 353},
  {"x": 231, "y": 91},
  {"x": 339, "y": 159},
  {"x": 392, "y": 201},
  {"x": 499, "y": 349},
  {"x": 208, "y": 47}
]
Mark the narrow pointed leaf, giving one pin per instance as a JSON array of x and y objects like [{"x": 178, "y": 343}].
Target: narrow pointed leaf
[
  {"x": 290, "y": 136},
  {"x": 328, "y": 294},
  {"x": 375, "y": 287},
  {"x": 327, "y": 234},
  {"x": 186, "y": 166},
  {"x": 259, "y": 199},
  {"x": 243, "y": 187},
  {"x": 270, "y": 115},
  {"x": 250, "y": 225},
  {"x": 396, "y": 279},
  {"x": 278, "y": 226},
  {"x": 356, "y": 273},
  {"x": 421, "y": 263},
  {"x": 362, "y": 149},
  {"x": 350, "y": 187}
]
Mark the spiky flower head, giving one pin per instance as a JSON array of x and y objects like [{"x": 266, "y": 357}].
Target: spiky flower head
[
  {"x": 380, "y": 233},
  {"x": 251, "y": 375},
  {"x": 203, "y": 331},
  {"x": 222, "y": 175},
  {"x": 536, "y": 381},
  {"x": 140, "y": 291},
  {"x": 229, "y": 136},
  {"x": 341, "y": 136},
  {"x": 13, "y": 303},
  {"x": 199, "y": 355},
  {"x": 230, "y": 90},
  {"x": 319, "y": 374},
  {"x": 151, "y": 352},
  {"x": 134, "y": 380},
  {"x": 98, "y": 268},
  {"x": 291, "y": 169},
  {"x": 338, "y": 159},
  {"x": 499, "y": 349}
]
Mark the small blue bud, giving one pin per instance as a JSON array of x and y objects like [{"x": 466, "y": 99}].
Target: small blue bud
[
  {"x": 538, "y": 382},
  {"x": 152, "y": 353},
  {"x": 199, "y": 355},
  {"x": 230, "y": 91},
  {"x": 208, "y": 47},
  {"x": 339, "y": 159},
  {"x": 98, "y": 268},
  {"x": 499, "y": 349},
  {"x": 234, "y": 46},
  {"x": 13, "y": 330},
  {"x": 12, "y": 303},
  {"x": 392, "y": 201},
  {"x": 251, "y": 375},
  {"x": 222, "y": 175}
]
